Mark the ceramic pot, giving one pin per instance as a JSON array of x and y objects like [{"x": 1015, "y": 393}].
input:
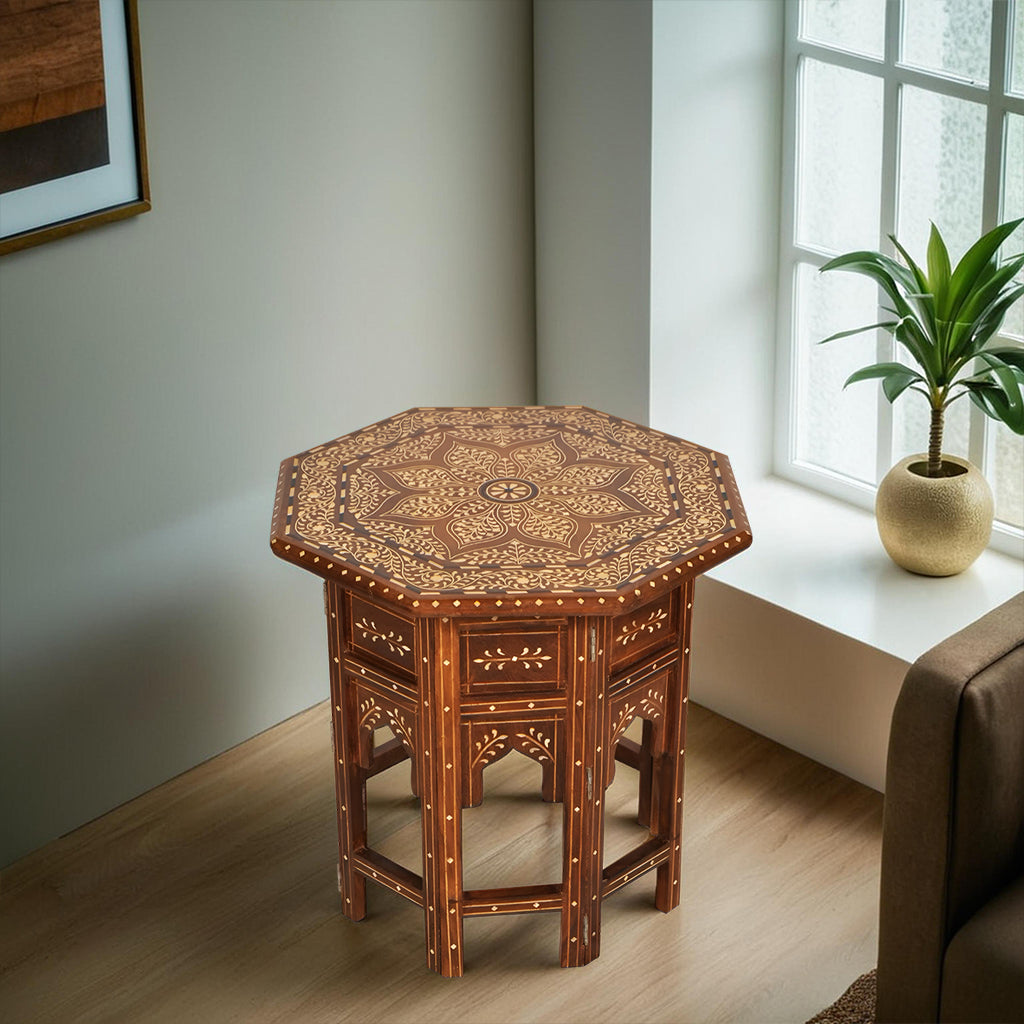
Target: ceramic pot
[{"x": 935, "y": 526}]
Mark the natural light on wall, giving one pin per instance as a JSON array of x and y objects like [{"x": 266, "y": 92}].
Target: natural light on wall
[{"x": 898, "y": 113}]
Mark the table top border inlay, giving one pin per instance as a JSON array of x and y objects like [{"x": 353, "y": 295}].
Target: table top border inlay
[{"x": 642, "y": 584}]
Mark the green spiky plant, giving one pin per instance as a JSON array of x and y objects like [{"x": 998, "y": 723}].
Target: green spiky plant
[{"x": 945, "y": 320}]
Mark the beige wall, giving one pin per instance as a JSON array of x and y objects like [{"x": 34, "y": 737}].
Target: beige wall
[
  {"x": 342, "y": 227},
  {"x": 592, "y": 108}
]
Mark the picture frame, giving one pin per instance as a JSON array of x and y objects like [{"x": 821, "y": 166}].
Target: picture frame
[{"x": 39, "y": 200}]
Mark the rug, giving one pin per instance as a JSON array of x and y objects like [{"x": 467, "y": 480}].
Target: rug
[{"x": 855, "y": 1006}]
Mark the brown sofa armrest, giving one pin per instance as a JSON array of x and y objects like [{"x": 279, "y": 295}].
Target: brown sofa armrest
[{"x": 956, "y": 758}]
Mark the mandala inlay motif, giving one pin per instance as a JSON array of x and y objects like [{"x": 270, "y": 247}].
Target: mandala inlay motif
[
  {"x": 483, "y": 493},
  {"x": 479, "y": 502},
  {"x": 509, "y": 490}
]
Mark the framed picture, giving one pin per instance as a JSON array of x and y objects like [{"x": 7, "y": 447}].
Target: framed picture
[{"x": 72, "y": 135}]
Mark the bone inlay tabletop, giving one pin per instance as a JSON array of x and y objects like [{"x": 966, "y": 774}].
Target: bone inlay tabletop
[{"x": 440, "y": 505}]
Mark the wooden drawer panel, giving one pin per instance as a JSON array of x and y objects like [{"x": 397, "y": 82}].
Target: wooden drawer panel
[
  {"x": 381, "y": 634},
  {"x": 519, "y": 659},
  {"x": 650, "y": 627}
]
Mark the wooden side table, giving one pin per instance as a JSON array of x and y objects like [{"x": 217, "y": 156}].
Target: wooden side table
[{"x": 509, "y": 579}]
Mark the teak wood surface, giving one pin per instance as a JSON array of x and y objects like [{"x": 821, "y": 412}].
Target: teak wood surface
[{"x": 499, "y": 580}]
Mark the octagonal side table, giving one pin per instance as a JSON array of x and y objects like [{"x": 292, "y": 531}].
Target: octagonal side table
[{"x": 503, "y": 579}]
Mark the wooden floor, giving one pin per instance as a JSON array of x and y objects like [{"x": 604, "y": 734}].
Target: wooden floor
[{"x": 212, "y": 898}]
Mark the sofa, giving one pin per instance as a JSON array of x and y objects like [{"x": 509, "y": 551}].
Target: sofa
[{"x": 951, "y": 924}]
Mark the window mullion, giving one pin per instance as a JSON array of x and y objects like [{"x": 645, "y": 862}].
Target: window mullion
[
  {"x": 888, "y": 211},
  {"x": 787, "y": 361},
  {"x": 994, "y": 126},
  {"x": 979, "y": 433}
]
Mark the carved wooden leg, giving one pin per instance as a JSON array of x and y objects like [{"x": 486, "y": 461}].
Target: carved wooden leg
[
  {"x": 583, "y": 822},
  {"x": 414, "y": 779},
  {"x": 440, "y": 760},
  {"x": 646, "y": 769},
  {"x": 547, "y": 784},
  {"x": 552, "y": 786},
  {"x": 668, "y": 769},
  {"x": 349, "y": 776}
]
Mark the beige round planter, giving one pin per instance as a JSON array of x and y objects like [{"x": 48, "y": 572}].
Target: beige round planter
[{"x": 935, "y": 526}]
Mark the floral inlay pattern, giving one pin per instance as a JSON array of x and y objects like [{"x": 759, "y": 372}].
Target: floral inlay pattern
[
  {"x": 493, "y": 745},
  {"x": 395, "y": 641},
  {"x": 651, "y": 624},
  {"x": 526, "y": 659},
  {"x": 545, "y": 492},
  {"x": 649, "y": 705},
  {"x": 373, "y": 711}
]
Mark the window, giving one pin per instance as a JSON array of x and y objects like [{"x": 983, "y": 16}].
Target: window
[{"x": 898, "y": 112}]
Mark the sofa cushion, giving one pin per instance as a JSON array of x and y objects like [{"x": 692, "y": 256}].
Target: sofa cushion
[{"x": 983, "y": 972}]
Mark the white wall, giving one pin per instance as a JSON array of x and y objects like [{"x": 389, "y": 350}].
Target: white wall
[
  {"x": 787, "y": 677},
  {"x": 342, "y": 228},
  {"x": 716, "y": 138},
  {"x": 592, "y": 109}
]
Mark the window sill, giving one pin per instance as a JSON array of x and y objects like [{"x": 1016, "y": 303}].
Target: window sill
[{"x": 821, "y": 558}]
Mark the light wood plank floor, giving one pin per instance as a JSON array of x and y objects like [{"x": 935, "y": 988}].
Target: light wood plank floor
[{"x": 212, "y": 898}]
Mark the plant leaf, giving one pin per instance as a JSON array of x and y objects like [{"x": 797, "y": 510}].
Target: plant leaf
[
  {"x": 981, "y": 395},
  {"x": 938, "y": 271},
  {"x": 919, "y": 275},
  {"x": 896, "y": 383},
  {"x": 883, "y": 269},
  {"x": 887, "y": 324},
  {"x": 986, "y": 294},
  {"x": 1013, "y": 390},
  {"x": 896, "y": 378},
  {"x": 1000, "y": 393},
  {"x": 1012, "y": 355},
  {"x": 986, "y": 325},
  {"x": 991, "y": 400},
  {"x": 923, "y": 306},
  {"x": 909, "y": 334},
  {"x": 975, "y": 263}
]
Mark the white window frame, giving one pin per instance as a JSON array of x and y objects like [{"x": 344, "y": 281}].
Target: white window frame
[{"x": 998, "y": 101}]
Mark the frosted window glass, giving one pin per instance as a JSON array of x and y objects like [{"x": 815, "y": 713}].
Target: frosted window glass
[
  {"x": 1013, "y": 205},
  {"x": 840, "y": 158},
  {"x": 857, "y": 26},
  {"x": 1017, "y": 52},
  {"x": 942, "y": 165},
  {"x": 1006, "y": 473},
  {"x": 836, "y": 429},
  {"x": 950, "y": 36},
  {"x": 911, "y": 423}
]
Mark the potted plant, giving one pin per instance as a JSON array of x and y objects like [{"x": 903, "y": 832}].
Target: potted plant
[{"x": 934, "y": 511}]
